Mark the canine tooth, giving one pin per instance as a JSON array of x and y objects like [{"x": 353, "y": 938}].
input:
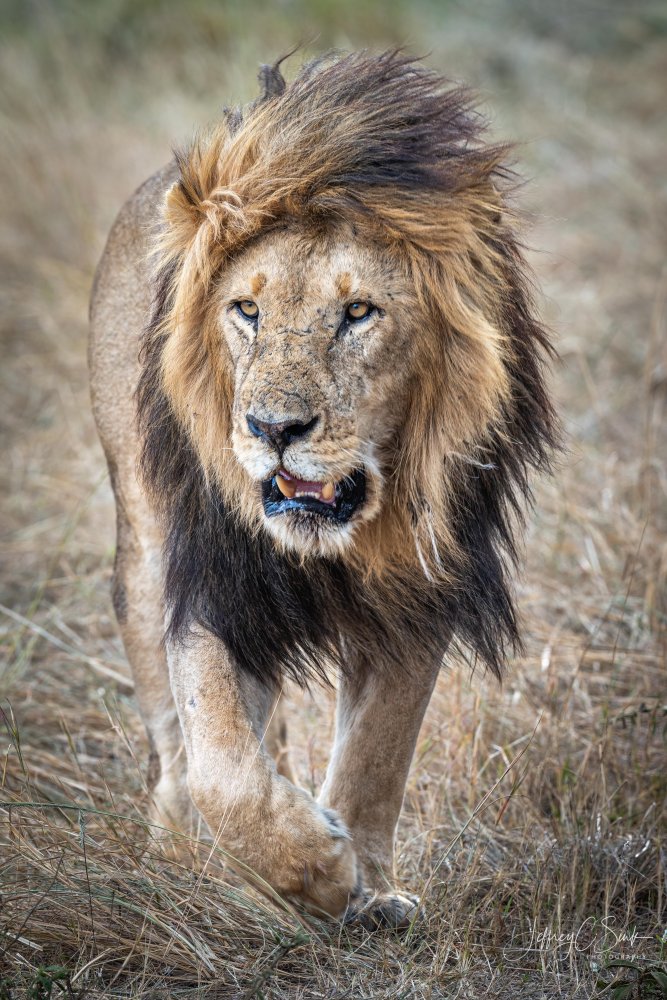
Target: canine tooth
[
  {"x": 328, "y": 491},
  {"x": 286, "y": 488}
]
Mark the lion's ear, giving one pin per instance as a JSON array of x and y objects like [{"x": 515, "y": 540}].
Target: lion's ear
[
  {"x": 271, "y": 81},
  {"x": 181, "y": 214},
  {"x": 196, "y": 227}
]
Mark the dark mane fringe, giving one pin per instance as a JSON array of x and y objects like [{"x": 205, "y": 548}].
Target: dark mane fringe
[{"x": 281, "y": 616}]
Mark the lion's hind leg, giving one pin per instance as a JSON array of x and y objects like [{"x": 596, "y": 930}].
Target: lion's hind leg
[{"x": 137, "y": 599}]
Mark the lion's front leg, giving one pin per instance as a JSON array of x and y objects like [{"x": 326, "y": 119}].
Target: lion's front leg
[
  {"x": 379, "y": 713},
  {"x": 300, "y": 848}
]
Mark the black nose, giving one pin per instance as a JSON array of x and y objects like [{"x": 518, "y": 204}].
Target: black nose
[{"x": 279, "y": 434}]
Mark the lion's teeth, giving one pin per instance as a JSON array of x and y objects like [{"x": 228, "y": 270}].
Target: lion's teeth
[
  {"x": 286, "y": 488},
  {"x": 290, "y": 489}
]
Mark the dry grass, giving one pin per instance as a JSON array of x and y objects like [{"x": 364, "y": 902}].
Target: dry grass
[{"x": 534, "y": 816}]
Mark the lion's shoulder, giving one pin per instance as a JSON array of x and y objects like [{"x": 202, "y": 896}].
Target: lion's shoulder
[
  {"x": 128, "y": 240},
  {"x": 119, "y": 307}
]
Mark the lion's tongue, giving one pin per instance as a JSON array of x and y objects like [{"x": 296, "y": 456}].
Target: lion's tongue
[{"x": 291, "y": 487}]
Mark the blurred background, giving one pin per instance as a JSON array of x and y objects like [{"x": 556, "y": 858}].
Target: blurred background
[{"x": 93, "y": 96}]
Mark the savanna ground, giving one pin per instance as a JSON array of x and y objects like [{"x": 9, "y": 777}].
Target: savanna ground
[{"x": 534, "y": 817}]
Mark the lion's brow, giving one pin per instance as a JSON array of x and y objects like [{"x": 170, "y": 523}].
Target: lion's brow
[
  {"x": 257, "y": 283},
  {"x": 344, "y": 284}
]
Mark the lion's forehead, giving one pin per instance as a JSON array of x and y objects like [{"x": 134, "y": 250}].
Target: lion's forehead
[{"x": 296, "y": 274}]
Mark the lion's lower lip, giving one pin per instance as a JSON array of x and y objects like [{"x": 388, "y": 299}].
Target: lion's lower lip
[{"x": 350, "y": 494}]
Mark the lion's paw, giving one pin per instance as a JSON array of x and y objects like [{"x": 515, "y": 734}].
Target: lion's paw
[
  {"x": 326, "y": 877},
  {"x": 396, "y": 910}
]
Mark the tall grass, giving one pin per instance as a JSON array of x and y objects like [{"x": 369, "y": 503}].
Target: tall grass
[{"x": 534, "y": 815}]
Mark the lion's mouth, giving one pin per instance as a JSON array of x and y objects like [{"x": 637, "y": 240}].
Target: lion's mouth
[{"x": 336, "y": 501}]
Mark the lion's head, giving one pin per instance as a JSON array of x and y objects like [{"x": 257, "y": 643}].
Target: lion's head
[{"x": 342, "y": 336}]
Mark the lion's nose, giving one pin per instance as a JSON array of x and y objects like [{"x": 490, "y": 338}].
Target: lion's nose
[{"x": 279, "y": 434}]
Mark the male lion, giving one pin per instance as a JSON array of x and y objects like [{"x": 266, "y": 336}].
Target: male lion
[{"x": 319, "y": 398}]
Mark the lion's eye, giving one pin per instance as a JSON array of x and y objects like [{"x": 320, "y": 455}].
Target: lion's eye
[
  {"x": 248, "y": 308},
  {"x": 358, "y": 310}
]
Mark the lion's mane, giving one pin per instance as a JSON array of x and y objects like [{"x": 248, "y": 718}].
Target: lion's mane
[{"x": 385, "y": 144}]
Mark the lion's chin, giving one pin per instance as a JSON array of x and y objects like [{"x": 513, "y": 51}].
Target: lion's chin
[
  {"x": 309, "y": 537},
  {"x": 305, "y": 519}
]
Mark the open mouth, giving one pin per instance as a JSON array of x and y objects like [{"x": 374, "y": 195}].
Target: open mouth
[{"x": 336, "y": 501}]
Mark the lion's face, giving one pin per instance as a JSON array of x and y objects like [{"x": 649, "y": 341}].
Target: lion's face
[{"x": 318, "y": 330}]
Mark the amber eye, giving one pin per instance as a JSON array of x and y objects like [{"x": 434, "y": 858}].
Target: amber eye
[
  {"x": 358, "y": 310},
  {"x": 248, "y": 308}
]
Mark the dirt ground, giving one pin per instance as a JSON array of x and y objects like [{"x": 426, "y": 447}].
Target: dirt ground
[{"x": 534, "y": 820}]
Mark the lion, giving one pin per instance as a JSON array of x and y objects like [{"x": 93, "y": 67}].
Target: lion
[{"x": 319, "y": 381}]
